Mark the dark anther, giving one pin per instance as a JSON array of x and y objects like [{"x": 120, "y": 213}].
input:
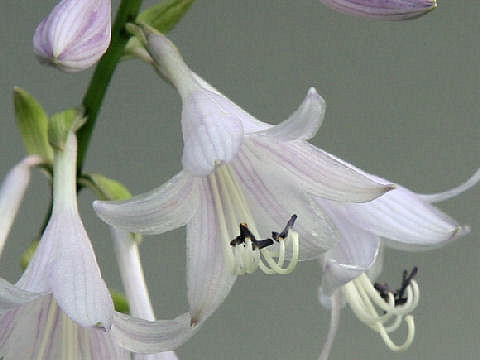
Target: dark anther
[
  {"x": 399, "y": 294},
  {"x": 281, "y": 236},
  {"x": 245, "y": 234},
  {"x": 260, "y": 244}
]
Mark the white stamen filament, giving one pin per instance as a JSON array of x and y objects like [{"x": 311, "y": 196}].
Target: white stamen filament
[
  {"x": 364, "y": 299},
  {"x": 232, "y": 209}
]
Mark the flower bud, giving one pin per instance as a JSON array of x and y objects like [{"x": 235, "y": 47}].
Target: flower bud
[
  {"x": 74, "y": 35},
  {"x": 383, "y": 9}
]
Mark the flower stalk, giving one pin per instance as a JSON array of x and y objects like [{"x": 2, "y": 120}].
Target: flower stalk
[{"x": 104, "y": 70}]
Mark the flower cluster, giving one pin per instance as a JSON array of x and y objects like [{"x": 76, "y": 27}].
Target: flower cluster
[{"x": 252, "y": 195}]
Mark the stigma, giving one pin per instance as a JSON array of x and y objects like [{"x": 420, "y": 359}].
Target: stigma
[{"x": 367, "y": 300}]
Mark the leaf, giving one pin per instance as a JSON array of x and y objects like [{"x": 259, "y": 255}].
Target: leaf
[
  {"x": 33, "y": 124},
  {"x": 165, "y": 15}
]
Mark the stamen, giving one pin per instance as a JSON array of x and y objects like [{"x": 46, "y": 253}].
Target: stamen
[{"x": 364, "y": 298}]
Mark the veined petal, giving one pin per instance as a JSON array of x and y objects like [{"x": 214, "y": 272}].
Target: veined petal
[
  {"x": 65, "y": 264},
  {"x": 315, "y": 170},
  {"x": 11, "y": 194},
  {"x": 401, "y": 216},
  {"x": 166, "y": 208},
  {"x": 11, "y": 296},
  {"x": 445, "y": 195},
  {"x": 145, "y": 336},
  {"x": 208, "y": 278},
  {"x": 275, "y": 197},
  {"x": 40, "y": 330},
  {"x": 304, "y": 123},
  {"x": 212, "y": 134},
  {"x": 353, "y": 254}
]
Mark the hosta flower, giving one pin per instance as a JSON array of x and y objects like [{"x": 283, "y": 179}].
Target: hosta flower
[
  {"x": 60, "y": 306},
  {"x": 383, "y": 9},
  {"x": 11, "y": 194},
  {"x": 242, "y": 179},
  {"x": 74, "y": 35},
  {"x": 405, "y": 220}
]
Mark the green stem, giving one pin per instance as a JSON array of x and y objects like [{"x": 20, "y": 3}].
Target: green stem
[{"x": 127, "y": 12}]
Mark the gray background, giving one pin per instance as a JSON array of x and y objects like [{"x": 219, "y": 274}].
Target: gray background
[{"x": 403, "y": 102}]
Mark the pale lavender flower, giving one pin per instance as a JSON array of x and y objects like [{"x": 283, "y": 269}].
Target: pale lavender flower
[
  {"x": 74, "y": 35},
  {"x": 405, "y": 220},
  {"x": 383, "y": 9},
  {"x": 11, "y": 194},
  {"x": 61, "y": 305},
  {"x": 236, "y": 170}
]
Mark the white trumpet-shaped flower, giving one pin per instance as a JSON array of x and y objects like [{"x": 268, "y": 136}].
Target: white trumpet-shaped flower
[
  {"x": 60, "y": 308},
  {"x": 405, "y": 220},
  {"x": 241, "y": 180},
  {"x": 11, "y": 194},
  {"x": 74, "y": 35}
]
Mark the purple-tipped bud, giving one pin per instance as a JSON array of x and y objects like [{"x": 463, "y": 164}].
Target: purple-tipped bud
[
  {"x": 74, "y": 35},
  {"x": 383, "y": 9}
]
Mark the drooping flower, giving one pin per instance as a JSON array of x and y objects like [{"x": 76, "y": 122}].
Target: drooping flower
[
  {"x": 74, "y": 35},
  {"x": 11, "y": 194},
  {"x": 60, "y": 307},
  {"x": 241, "y": 180},
  {"x": 405, "y": 220},
  {"x": 383, "y": 9}
]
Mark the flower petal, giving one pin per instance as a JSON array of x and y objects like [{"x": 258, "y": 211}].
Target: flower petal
[
  {"x": 165, "y": 208},
  {"x": 208, "y": 278},
  {"x": 445, "y": 195},
  {"x": 40, "y": 330},
  {"x": 11, "y": 194},
  {"x": 304, "y": 123},
  {"x": 353, "y": 255},
  {"x": 64, "y": 264},
  {"x": 212, "y": 134},
  {"x": 145, "y": 336},
  {"x": 316, "y": 171},
  {"x": 12, "y": 296},
  {"x": 75, "y": 278},
  {"x": 404, "y": 219},
  {"x": 394, "y": 10},
  {"x": 273, "y": 199}
]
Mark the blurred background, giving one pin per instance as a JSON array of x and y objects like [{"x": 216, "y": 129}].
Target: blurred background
[{"x": 403, "y": 103}]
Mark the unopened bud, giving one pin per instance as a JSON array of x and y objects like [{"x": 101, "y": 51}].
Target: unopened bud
[{"x": 74, "y": 35}]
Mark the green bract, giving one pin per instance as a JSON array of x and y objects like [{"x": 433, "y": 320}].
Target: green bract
[
  {"x": 33, "y": 124},
  {"x": 166, "y": 15}
]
